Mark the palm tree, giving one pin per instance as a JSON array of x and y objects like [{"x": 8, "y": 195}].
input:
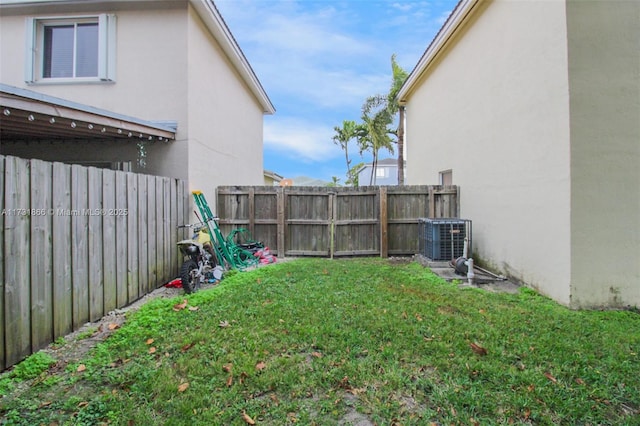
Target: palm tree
[
  {"x": 399, "y": 77},
  {"x": 343, "y": 136},
  {"x": 376, "y": 119}
]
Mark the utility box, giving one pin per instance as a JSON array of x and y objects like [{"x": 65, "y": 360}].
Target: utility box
[{"x": 443, "y": 239}]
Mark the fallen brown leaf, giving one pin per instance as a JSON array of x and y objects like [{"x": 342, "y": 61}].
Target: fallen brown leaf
[
  {"x": 224, "y": 324},
  {"x": 550, "y": 377},
  {"x": 316, "y": 354},
  {"x": 260, "y": 366},
  {"x": 83, "y": 404},
  {"x": 149, "y": 341},
  {"x": 180, "y": 306},
  {"x": 152, "y": 350},
  {"x": 478, "y": 349},
  {"x": 274, "y": 398},
  {"x": 193, "y": 308},
  {"x": 227, "y": 367},
  {"x": 229, "y": 380},
  {"x": 186, "y": 347},
  {"x": 113, "y": 326},
  {"x": 183, "y": 387},
  {"x": 248, "y": 419},
  {"x": 81, "y": 368},
  {"x": 580, "y": 381}
]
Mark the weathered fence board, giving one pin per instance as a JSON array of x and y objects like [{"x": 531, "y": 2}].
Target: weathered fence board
[
  {"x": 96, "y": 274},
  {"x": 326, "y": 221},
  {"x": 61, "y": 230},
  {"x": 109, "y": 241},
  {"x": 133, "y": 290},
  {"x": 143, "y": 240},
  {"x": 41, "y": 278},
  {"x": 152, "y": 231},
  {"x": 76, "y": 244},
  {"x": 121, "y": 238},
  {"x": 2, "y": 206},
  {"x": 17, "y": 263},
  {"x": 79, "y": 248}
]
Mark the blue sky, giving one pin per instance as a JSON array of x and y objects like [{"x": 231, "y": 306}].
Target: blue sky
[{"x": 319, "y": 60}]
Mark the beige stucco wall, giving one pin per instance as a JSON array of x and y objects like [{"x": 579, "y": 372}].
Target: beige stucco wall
[
  {"x": 225, "y": 120},
  {"x": 150, "y": 81},
  {"x": 169, "y": 67},
  {"x": 604, "y": 70},
  {"x": 494, "y": 108}
]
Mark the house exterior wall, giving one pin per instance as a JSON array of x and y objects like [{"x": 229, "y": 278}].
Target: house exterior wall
[
  {"x": 390, "y": 175},
  {"x": 494, "y": 108},
  {"x": 225, "y": 120},
  {"x": 150, "y": 83},
  {"x": 604, "y": 72},
  {"x": 168, "y": 67}
]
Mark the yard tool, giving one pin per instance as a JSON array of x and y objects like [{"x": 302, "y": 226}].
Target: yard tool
[{"x": 227, "y": 252}]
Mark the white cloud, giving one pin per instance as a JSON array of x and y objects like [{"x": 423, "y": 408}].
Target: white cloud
[
  {"x": 300, "y": 140},
  {"x": 404, "y": 7}
]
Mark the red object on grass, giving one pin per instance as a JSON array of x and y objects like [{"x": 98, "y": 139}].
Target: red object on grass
[{"x": 177, "y": 283}]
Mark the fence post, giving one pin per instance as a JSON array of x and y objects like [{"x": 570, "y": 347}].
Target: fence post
[
  {"x": 332, "y": 222},
  {"x": 281, "y": 221},
  {"x": 252, "y": 210},
  {"x": 384, "y": 223},
  {"x": 432, "y": 202}
]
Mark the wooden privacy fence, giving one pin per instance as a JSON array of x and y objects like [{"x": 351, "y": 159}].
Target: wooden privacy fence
[
  {"x": 327, "y": 221},
  {"x": 79, "y": 242}
]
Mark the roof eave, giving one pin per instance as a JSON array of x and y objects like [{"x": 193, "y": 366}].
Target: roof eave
[
  {"x": 453, "y": 24},
  {"x": 215, "y": 23}
]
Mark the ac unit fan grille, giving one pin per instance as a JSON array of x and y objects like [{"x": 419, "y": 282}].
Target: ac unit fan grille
[{"x": 443, "y": 239}]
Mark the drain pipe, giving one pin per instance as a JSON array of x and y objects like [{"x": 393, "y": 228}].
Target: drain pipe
[{"x": 470, "y": 274}]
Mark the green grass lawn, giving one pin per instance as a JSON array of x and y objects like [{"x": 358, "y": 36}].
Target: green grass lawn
[{"x": 315, "y": 341}]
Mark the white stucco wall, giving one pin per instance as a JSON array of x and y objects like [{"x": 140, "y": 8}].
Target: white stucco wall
[
  {"x": 225, "y": 120},
  {"x": 494, "y": 108},
  {"x": 604, "y": 69}
]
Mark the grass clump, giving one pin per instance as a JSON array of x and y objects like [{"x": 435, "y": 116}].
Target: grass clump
[
  {"x": 324, "y": 342},
  {"x": 30, "y": 368}
]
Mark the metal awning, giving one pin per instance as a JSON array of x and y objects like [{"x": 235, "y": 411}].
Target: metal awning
[{"x": 28, "y": 115}]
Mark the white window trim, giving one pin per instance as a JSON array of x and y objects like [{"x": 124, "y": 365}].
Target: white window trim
[{"x": 106, "y": 49}]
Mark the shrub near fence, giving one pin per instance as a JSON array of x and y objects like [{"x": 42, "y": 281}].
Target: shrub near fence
[
  {"x": 78, "y": 242},
  {"x": 334, "y": 221}
]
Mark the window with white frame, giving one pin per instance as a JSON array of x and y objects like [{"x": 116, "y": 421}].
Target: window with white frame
[
  {"x": 381, "y": 172},
  {"x": 70, "y": 49}
]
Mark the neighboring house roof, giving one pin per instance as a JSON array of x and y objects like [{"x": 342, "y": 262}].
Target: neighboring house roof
[
  {"x": 458, "y": 16},
  {"x": 25, "y": 113},
  {"x": 388, "y": 162},
  {"x": 272, "y": 175},
  {"x": 215, "y": 24}
]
